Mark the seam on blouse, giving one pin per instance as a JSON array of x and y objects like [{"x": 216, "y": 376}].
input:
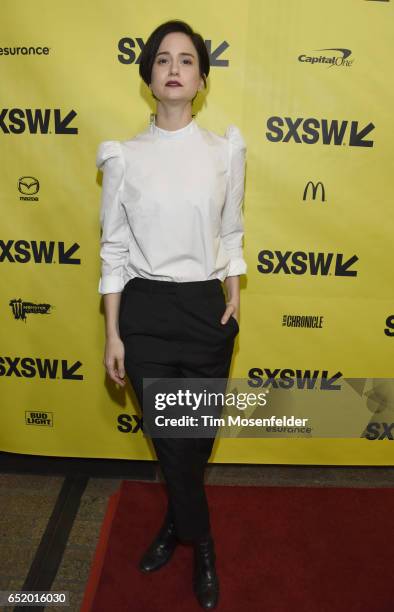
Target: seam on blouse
[
  {"x": 124, "y": 171},
  {"x": 129, "y": 231},
  {"x": 229, "y": 159}
]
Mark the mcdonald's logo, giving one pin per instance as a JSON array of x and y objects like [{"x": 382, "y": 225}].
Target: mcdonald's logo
[{"x": 314, "y": 190}]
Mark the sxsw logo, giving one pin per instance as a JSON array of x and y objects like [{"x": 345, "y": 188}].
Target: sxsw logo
[
  {"x": 301, "y": 262},
  {"x": 24, "y": 251},
  {"x": 130, "y": 51},
  {"x": 389, "y": 330},
  {"x": 35, "y": 367},
  {"x": 37, "y": 121},
  {"x": 312, "y": 131},
  {"x": 287, "y": 378},
  {"x": 379, "y": 431},
  {"x": 39, "y": 418},
  {"x": 130, "y": 423}
]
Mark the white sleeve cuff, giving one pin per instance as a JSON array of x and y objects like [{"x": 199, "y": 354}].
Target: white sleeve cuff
[
  {"x": 237, "y": 267},
  {"x": 111, "y": 284}
]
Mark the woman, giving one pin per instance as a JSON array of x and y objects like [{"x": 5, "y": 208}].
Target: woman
[{"x": 172, "y": 228}]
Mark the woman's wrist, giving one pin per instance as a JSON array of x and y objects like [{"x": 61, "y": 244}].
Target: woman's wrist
[
  {"x": 112, "y": 334},
  {"x": 232, "y": 290}
]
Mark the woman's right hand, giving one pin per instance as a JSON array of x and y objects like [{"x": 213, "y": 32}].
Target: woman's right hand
[{"x": 114, "y": 359}]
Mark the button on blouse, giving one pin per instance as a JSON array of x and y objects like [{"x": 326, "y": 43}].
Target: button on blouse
[{"x": 171, "y": 206}]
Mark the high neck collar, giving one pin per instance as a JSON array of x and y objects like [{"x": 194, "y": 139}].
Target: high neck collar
[{"x": 188, "y": 129}]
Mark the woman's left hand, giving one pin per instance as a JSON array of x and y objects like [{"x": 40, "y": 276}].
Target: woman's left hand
[{"x": 232, "y": 310}]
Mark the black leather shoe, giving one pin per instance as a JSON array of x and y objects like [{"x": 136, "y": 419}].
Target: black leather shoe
[
  {"x": 161, "y": 549},
  {"x": 205, "y": 578}
]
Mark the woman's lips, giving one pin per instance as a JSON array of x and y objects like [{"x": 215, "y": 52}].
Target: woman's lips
[{"x": 169, "y": 84}]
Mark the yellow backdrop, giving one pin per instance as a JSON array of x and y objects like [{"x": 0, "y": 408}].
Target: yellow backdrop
[{"x": 310, "y": 86}]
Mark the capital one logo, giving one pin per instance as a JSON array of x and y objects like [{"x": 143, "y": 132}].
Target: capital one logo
[
  {"x": 130, "y": 51},
  {"x": 324, "y": 131},
  {"x": 341, "y": 60}
]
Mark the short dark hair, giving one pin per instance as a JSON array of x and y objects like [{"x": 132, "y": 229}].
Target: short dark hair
[{"x": 152, "y": 45}]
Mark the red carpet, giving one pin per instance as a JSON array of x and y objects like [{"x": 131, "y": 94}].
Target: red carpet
[{"x": 279, "y": 549}]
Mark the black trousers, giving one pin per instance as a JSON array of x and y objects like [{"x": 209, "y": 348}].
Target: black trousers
[{"x": 173, "y": 330}]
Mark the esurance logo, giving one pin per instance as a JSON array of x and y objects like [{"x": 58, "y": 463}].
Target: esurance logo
[
  {"x": 42, "y": 251},
  {"x": 130, "y": 51},
  {"x": 24, "y": 50},
  {"x": 37, "y": 121},
  {"x": 300, "y": 262},
  {"x": 323, "y": 131},
  {"x": 340, "y": 58}
]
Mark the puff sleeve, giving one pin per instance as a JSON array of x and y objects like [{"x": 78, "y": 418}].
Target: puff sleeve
[
  {"x": 114, "y": 242},
  {"x": 232, "y": 226}
]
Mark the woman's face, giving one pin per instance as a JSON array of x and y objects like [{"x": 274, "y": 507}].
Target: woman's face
[{"x": 176, "y": 60}]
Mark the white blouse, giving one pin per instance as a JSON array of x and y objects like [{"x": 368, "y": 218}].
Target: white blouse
[{"x": 171, "y": 206}]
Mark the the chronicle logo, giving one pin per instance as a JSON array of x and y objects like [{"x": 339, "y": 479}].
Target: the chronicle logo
[
  {"x": 314, "y": 187},
  {"x": 340, "y": 57},
  {"x": 37, "y": 121},
  {"x": 21, "y": 309},
  {"x": 287, "y": 378},
  {"x": 301, "y": 262},
  {"x": 38, "y": 418},
  {"x": 130, "y": 51},
  {"x": 42, "y": 251},
  {"x": 37, "y": 367},
  {"x": 28, "y": 186},
  {"x": 312, "y": 131},
  {"x": 306, "y": 321}
]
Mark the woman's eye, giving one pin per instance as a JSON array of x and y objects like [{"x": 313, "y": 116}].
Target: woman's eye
[{"x": 163, "y": 59}]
